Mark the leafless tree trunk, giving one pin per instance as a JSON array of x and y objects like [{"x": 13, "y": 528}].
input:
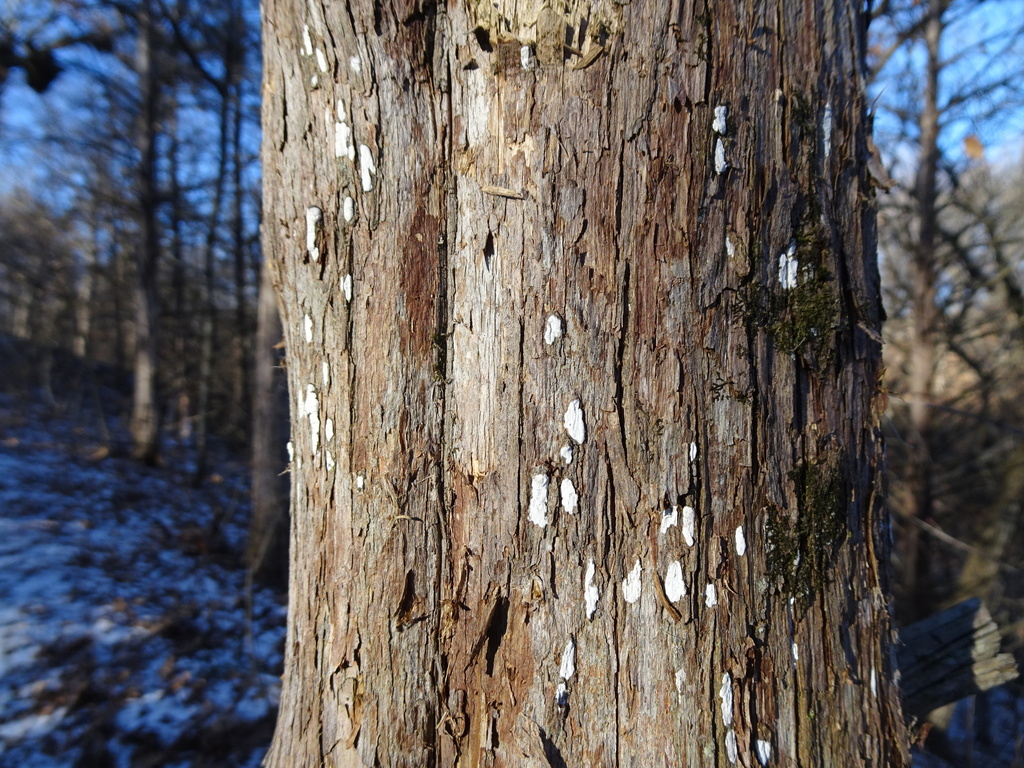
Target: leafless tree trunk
[
  {"x": 179, "y": 279},
  {"x": 209, "y": 327},
  {"x": 121, "y": 259},
  {"x": 145, "y": 420},
  {"x": 85, "y": 282},
  {"x": 243, "y": 332},
  {"x": 22, "y": 300},
  {"x": 581, "y": 312},
  {"x": 243, "y": 384},
  {"x": 923, "y": 342},
  {"x": 267, "y": 551}
]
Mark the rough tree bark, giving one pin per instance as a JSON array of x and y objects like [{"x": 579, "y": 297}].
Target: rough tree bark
[{"x": 581, "y": 313}]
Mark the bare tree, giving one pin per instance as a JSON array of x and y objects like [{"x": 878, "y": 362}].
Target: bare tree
[
  {"x": 159, "y": 193},
  {"x": 946, "y": 83},
  {"x": 145, "y": 419}
]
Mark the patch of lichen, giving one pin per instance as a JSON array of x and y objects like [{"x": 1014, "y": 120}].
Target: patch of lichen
[
  {"x": 800, "y": 552},
  {"x": 782, "y": 546},
  {"x": 802, "y": 320},
  {"x": 812, "y": 316}
]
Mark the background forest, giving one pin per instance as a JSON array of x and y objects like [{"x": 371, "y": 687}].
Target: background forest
[{"x": 143, "y": 412}]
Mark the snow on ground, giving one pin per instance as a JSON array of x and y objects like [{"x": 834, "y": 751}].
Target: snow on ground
[{"x": 125, "y": 632}]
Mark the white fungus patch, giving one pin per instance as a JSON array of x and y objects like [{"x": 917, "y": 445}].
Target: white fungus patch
[
  {"x": 573, "y": 421},
  {"x": 693, "y": 451},
  {"x": 360, "y": 482},
  {"x": 631, "y": 584},
  {"x": 590, "y": 591},
  {"x": 566, "y": 454},
  {"x": 725, "y": 694},
  {"x": 330, "y": 461},
  {"x": 325, "y": 374},
  {"x": 307, "y": 324},
  {"x": 346, "y": 287},
  {"x": 526, "y": 57},
  {"x": 367, "y": 169},
  {"x": 538, "y": 513},
  {"x": 348, "y": 208},
  {"x": 718, "y": 126},
  {"x": 720, "y": 163},
  {"x": 291, "y": 451},
  {"x": 675, "y": 587},
  {"x": 710, "y": 596},
  {"x": 741, "y": 542},
  {"x": 552, "y": 329},
  {"x": 343, "y": 144},
  {"x": 796, "y": 652},
  {"x": 873, "y": 683},
  {"x": 788, "y": 267},
  {"x": 731, "y": 750},
  {"x": 321, "y": 60},
  {"x": 314, "y": 81},
  {"x": 311, "y": 409},
  {"x": 568, "y": 665},
  {"x": 314, "y": 218},
  {"x": 569, "y": 496},
  {"x": 329, "y": 429},
  {"x": 763, "y": 749},
  {"x": 307, "y": 42},
  {"x": 729, "y": 249},
  {"x": 826, "y": 130},
  {"x": 355, "y": 64},
  {"x": 689, "y": 523},
  {"x": 669, "y": 518}
]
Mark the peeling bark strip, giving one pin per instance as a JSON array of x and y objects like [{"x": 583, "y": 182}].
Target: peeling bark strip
[{"x": 628, "y": 246}]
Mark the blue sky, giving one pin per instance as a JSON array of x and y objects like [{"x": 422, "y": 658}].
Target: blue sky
[{"x": 983, "y": 45}]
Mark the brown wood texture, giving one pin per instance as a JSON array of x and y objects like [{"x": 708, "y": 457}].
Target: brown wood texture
[{"x": 583, "y": 375}]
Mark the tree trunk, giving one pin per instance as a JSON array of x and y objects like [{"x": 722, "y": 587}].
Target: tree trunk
[
  {"x": 84, "y": 283},
  {"x": 182, "y": 324},
  {"x": 917, "y": 599},
  {"x": 145, "y": 421},
  {"x": 242, "y": 384},
  {"x": 581, "y": 312},
  {"x": 267, "y": 549},
  {"x": 209, "y": 327}
]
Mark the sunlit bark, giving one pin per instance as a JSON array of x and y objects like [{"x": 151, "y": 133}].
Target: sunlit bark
[{"x": 581, "y": 313}]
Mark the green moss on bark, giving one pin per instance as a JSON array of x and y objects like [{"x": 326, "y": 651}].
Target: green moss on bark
[
  {"x": 802, "y": 320},
  {"x": 808, "y": 315},
  {"x": 800, "y": 552}
]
